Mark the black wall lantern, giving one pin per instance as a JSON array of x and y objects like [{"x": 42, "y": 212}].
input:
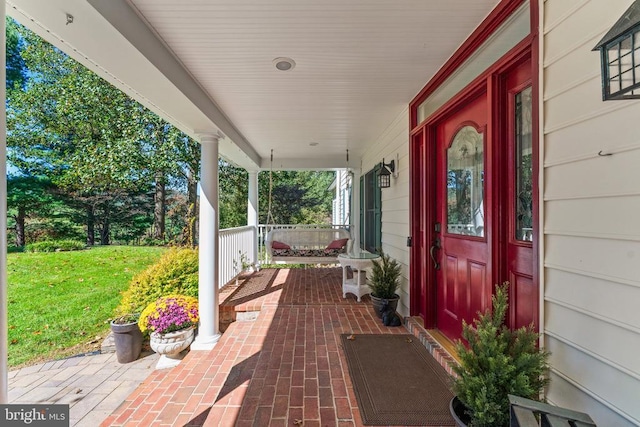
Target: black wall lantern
[
  {"x": 384, "y": 176},
  {"x": 620, "y": 57}
]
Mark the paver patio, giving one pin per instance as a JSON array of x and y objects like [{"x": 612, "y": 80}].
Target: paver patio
[
  {"x": 93, "y": 386},
  {"x": 281, "y": 365}
]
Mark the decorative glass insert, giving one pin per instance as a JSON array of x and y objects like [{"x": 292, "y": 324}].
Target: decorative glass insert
[
  {"x": 465, "y": 183},
  {"x": 524, "y": 167}
]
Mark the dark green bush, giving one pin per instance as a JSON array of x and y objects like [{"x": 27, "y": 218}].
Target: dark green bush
[
  {"x": 497, "y": 362},
  {"x": 385, "y": 275},
  {"x": 149, "y": 241},
  {"x": 15, "y": 249},
  {"x": 55, "y": 246},
  {"x": 175, "y": 273}
]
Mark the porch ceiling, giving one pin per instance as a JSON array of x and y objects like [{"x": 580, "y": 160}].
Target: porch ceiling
[{"x": 208, "y": 65}]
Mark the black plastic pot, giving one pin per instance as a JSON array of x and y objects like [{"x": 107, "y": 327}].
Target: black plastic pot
[
  {"x": 458, "y": 412},
  {"x": 128, "y": 341},
  {"x": 378, "y": 302}
]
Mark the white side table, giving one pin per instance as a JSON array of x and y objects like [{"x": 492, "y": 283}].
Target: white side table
[{"x": 359, "y": 262}]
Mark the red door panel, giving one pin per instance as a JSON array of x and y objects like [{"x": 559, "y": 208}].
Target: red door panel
[
  {"x": 463, "y": 217},
  {"x": 479, "y": 287},
  {"x": 524, "y": 307}
]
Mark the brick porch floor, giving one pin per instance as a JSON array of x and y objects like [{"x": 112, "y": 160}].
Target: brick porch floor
[{"x": 280, "y": 366}]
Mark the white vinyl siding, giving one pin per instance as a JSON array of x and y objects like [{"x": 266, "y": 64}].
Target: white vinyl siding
[
  {"x": 591, "y": 228},
  {"x": 395, "y": 200}
]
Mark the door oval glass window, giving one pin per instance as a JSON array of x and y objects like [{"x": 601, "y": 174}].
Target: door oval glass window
[{"x": 465, "y": 183}]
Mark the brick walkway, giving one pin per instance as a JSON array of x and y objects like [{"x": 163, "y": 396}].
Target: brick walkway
[{"x": 284, "y": 368}]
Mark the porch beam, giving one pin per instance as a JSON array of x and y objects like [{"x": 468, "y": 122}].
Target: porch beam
[
  {"x": 123, "y": 17},
  {"x": 208, "y": 262},
  {"x": 252, "y": 212},
  {"x": 4, "y": 331}
]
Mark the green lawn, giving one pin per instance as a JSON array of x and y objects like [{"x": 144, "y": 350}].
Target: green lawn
[{"x": 60, "y": 302}]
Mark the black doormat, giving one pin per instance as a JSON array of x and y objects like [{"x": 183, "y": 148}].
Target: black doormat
[{"x": 397, "y": 381}]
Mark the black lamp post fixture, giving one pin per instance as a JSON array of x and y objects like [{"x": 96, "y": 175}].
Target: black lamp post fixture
[
  {"x": 384, "y": 176},
  {"x": 620, "y": 57}
]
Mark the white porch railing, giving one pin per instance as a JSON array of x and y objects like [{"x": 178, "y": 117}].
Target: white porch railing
[
  {"x": 235, "y": 246},
  {"x": 263, "y": 229}
]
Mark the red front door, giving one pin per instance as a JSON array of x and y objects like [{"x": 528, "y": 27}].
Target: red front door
[
  {"x": 460, "y": 249},
  {"x": 474, "y": 210}
]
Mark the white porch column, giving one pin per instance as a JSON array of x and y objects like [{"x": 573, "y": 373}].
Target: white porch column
[
  {"x": 208, "y": 264},
  {"x": 355, "y": 209},
  {"x": 252, "y": 211},
  {"x": 4, "y": 362}
]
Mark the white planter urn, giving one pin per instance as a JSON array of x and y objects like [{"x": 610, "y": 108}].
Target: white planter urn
[{"x": 171, "y": 345}]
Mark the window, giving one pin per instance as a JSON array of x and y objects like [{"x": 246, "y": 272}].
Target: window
[
  {"x": 524, "y": 167},
  {"x": 370, "y": 211},
  {"x": 620, "y": 57},
  {"x": 465, "y": 183}
]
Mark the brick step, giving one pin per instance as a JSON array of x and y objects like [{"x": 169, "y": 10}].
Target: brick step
[{"x": 442, "y": 355}]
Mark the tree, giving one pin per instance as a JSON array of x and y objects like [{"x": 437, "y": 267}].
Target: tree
[
  {"x": 157, "y": 157},
  {"x": 233, "y": 190},
  {"x": 16, "y": 68},
  {"x": 168, "y": 156},
  {"x": 70, "y": 125},
  {"x": 298, "y": 197},
  {"x": 125, "y": 216},
  {"x": 27, "y": 195},
  {"x": 188, "y": 154}
]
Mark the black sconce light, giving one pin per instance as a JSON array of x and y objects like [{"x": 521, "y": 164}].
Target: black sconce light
[
  {"x": 620, "y": 57},
  {"x": 384, "y": 176}
]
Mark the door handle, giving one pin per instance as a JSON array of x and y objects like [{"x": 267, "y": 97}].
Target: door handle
[{"x": 434, "y": 247}]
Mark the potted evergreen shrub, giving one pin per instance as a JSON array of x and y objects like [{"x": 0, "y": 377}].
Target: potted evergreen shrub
[
  {"x": 127, "y": 337},
  {"x": 384, "y": 282},
  {"x": 496, "y": 362}
]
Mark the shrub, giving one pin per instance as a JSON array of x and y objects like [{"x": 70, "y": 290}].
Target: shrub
[
  {"x": 175, "y": 273},
  {"x": 150, "y": 241},
  {"x": 55, "y": 246},
  {"x": 385, "y": 273},
  {"x": 496, "y": 363}
]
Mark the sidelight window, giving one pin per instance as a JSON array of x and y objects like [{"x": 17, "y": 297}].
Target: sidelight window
[{"x": 524, "y": 167}]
